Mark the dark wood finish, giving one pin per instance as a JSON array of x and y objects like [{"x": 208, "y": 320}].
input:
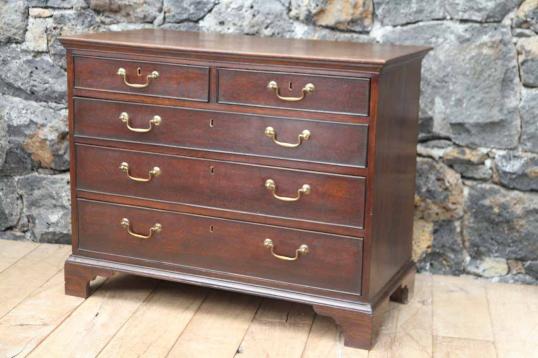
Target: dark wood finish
[
  {"x": 174, "y": 81},
  {"x": 331, "y": 143},
  {"x": 360, "y": 328},
  {"x": 405, "y": 290},
  {"x": 393, "y": 180},
  {"x": 77, "y": 279},
  {"x": 209, "y": 243},
  {"x": 331, "y": 94},
  {"x": 226, "y": 214},
  {"x": 249, "y": 48},
  {"x": 213, "y": 105},
  {"x": 211, "y": 198},
  {"x": 334, "y": 199},
  {"x": 225, "y": 156}
]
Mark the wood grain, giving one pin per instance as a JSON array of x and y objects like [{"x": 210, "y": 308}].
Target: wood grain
[
  {"x": 220, "y": 323},
  {"x": 24, "y": 327},
  {"x": 29, "y": 273},
  {"x": 413, "y": 336},
  {"x": 247, "y": 46},
  {"x": 359, "y": 166},
  {"x": 208, "y": 243},
  {"x": 167, "y": 317},
  {"x": 12, "y": 251},
  {"x": 180, "y": 82},
  {"x": 331, "y": 94},
  {"x": 154, "y": 327},
  {"x": 449, "y": 347},
  {"x": 86, "y": 332},
  {"x": 279, "y": 329},
  {"x": 331, "y": 143},
  {"x": 333, "y": 199},
  {"x": 460, "y": 308},
  {"x": 326, "y": 340},
  {"x": 514, "y": 317}
]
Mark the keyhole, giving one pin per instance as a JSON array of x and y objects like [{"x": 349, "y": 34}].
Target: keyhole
[
  {"x": 139, "y": 71},
  {"x": 211, "y": 123},
  {"x": 211, "y": 228},
  {"x": 290, "y": 86},
  {"x": 212, "y": 170}
]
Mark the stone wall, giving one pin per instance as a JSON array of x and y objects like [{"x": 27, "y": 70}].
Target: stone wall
[{"x": 477, "y": 183}]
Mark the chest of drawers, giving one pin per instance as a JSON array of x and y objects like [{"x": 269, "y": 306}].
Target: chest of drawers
[{"x": 274, "y": 167}]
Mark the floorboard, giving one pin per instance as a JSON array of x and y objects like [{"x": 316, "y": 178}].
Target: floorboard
[
  {"x": 460, "y": 308},
  {"x": 89, "y": 328},
  {"x": 24, "y": 327},
  {"x": 154, "y": 328},
  {"x": 280, "y": 329},
  {"x": 449, "y": 347},
  {"x": 13, "y": 251},
  {"x": 29, "y": 273},
  {"x": 514, "y": 315},
  {"x": 218, "y": 327},
  {"x": 138, "y": 317}
]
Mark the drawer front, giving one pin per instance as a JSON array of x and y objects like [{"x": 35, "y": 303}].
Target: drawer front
[
  {"x": 294, "y": 91},
  {"x": 328, "y": 261},
  {"x": 344, "y": 144},
  {"x": 137, "y": 77},
  {"x": 333, "y": 199}
]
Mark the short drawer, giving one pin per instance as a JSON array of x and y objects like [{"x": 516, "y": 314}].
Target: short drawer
[
  {"x": 142, "y": 78},
  {"x": 260, "y": 190},
  {"x": 248, "y": 250},
  {"x": 313, "y": 141},
  {"x": 294, "y": 91}
]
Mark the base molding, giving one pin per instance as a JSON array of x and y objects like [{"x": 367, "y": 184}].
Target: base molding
[
  {"x": 360, "y": 329},
  {"x": 359, "y": 321},
  {"x": 78, "y": 278}
]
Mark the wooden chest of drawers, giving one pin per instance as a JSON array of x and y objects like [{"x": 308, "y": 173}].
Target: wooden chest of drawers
[{"x": 281, "y": 168}]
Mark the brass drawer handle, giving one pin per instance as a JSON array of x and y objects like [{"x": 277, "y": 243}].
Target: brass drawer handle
[
  {"x": 308, "y": 88},
  {"x": 156, "y": 228},
  {"x": 123, "y": 73},
  {"x": 302, "y": 250},
  {"x": 155, "y": 121},
  {"x": 304, "y": 136},
  {"x": 155, "y": 172},
  {"x": 271, "y": 186}
]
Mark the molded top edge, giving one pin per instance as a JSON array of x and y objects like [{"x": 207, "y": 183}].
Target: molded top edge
[{"x": 282, "y": 48}]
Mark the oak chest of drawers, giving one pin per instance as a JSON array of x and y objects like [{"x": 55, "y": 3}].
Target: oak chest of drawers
[{"x": 281, "y": 168}]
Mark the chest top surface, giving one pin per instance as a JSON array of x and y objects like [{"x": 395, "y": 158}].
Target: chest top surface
[{"x": 250, "y": 46}]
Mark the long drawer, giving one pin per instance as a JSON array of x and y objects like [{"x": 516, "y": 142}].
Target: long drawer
[
  {"x": 143, "y": 78},
  {"x": 306, "y": 92},
  {"x": 249, "y": 250},
  {"x": 314, "y": 141},
  {"x": 261, "y": 190}
]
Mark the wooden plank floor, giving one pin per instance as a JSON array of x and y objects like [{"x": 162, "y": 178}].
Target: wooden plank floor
[{"x": 138, "y": 317}]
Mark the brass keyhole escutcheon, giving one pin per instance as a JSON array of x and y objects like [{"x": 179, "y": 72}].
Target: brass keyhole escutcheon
[
  {"x": 211, "y": 228},
  {"x": 211, "y": 170},
  {"x": 211, "y": 123},
  {"x": 290, "y": 86},
  {"x": 139, "y": 72}
]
